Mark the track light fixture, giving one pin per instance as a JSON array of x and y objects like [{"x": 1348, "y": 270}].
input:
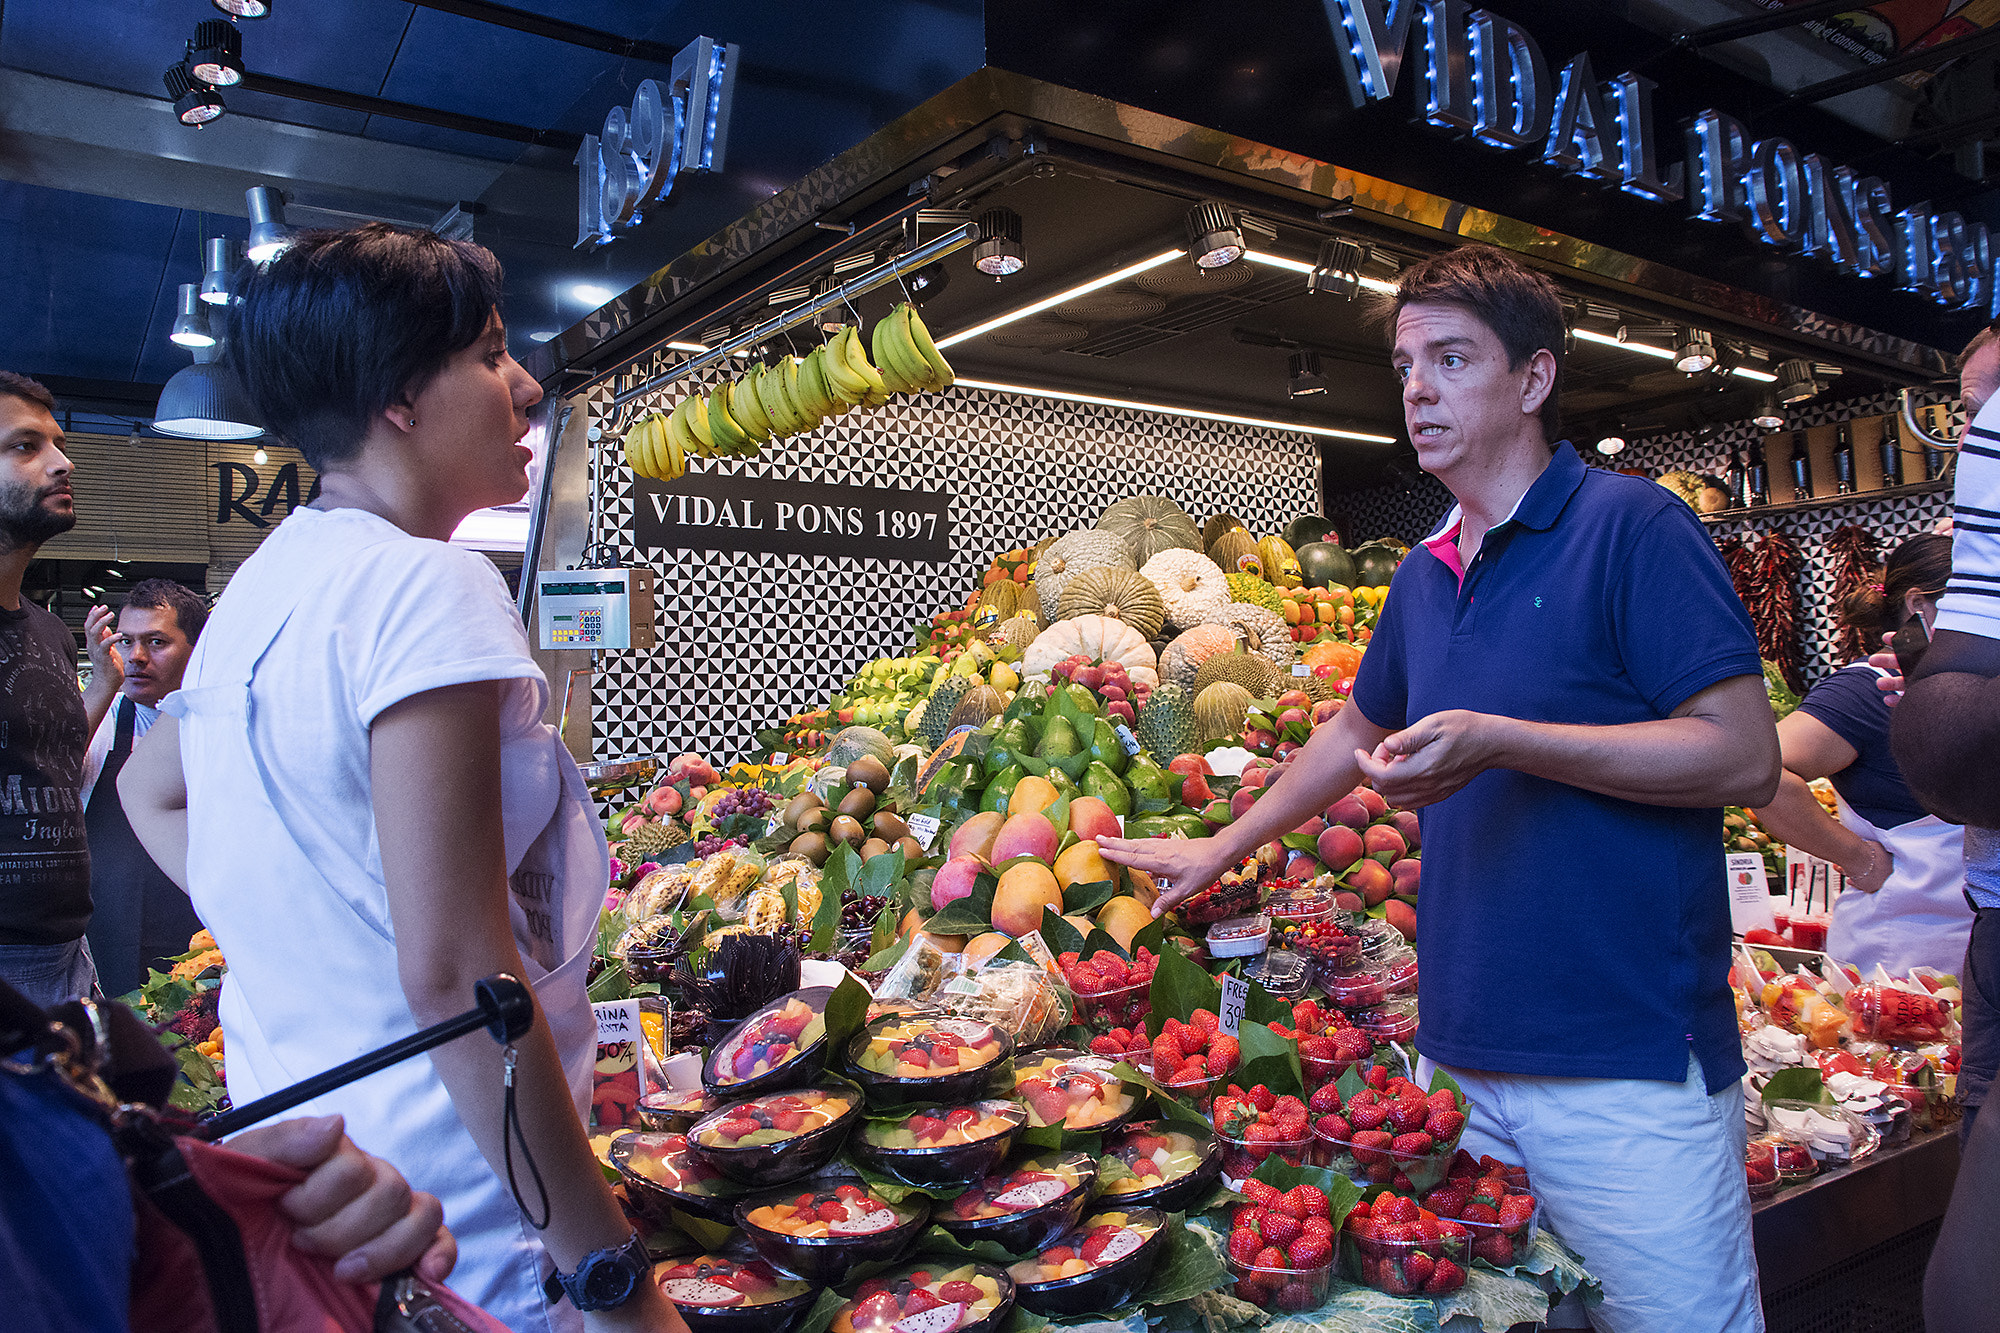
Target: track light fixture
[
  {"x": 1611, "y": 445},
  {"x": 218, "y": 280},
  {"x": 927, "y": 282},
  {"x": 215, "y": 53},
  {"x": 1695, "y": 352},
  {"x": 1770, "y": 413},
  {"x": 244, "y": 9},
  {"x": 1338, "y": 270},
  {"x": 999, "y": 251},
  {"x": 195, "y": 103},
  {"x": 1214, "y": 238},
  {"x": 1306, "y": 379},
  {"x": 1796, "y": 381},
  {"x": 268, "y": 232},
  {"x": 191, "y": 324}
]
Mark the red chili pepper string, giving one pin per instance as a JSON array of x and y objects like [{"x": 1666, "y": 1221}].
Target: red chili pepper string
[
  {"x": 1765, "y": 572},
  {"x": 1855, "y": 553}
]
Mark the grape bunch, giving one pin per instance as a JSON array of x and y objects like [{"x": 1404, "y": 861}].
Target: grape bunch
[
  {"x": 753, "y": 801},
  {"x": 710, "y": 845},
  {"x": 858, "y": 910}
]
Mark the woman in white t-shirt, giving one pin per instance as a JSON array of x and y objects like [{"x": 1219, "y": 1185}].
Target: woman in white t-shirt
[{"x": 356, "y": 787}]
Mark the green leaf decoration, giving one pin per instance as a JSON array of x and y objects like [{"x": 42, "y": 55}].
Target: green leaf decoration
[
  {"x": 1491, "y": 1302},
  {"x": 1349, "y": 1083},
  {"x": 1804, "y": 1085},
  {"x": 820, "y": 1317},
  {"x": 1170, "y": 1106},
  {"x": 1060, "y": 935},
  {"x": 846, "y": 1011},
  {"x": 611, "y": 984},
  {"x": 1559, "y": 1269},
  {"x": 960, "y": 917},
  {"x": 1357, "y": 1309},
  {"x": 883, "y": 933},
  {"x": 1088, "y": 897},
  {"x": 1300, "y": 842},
  {"x": 1012, "y": 952},
  {"x": 1020, "y": 1319},
  {"x": 709, "y": 1235},
  {"x": 878, "y": 874},
  {"x": 1110, "y": 1170},
  {"x": 1210, "y": 1312},
  {"x": 835, "y": 879},
  {"x": 1099, "y": 940},
  {"x": 1150, "y": 936},
  {"x": 1260, "y": 1006},
  {"x": 936, "y": 1240},
  {"x": 884, "y": 959},
  {"x": 1341, "y": 1192},
  {"x": 1180, "y": 986},
  {"x": 1268, "y": 1059},
  {"x": 1190, "y": 1266},
  {"x": 894, "y": 1190}
]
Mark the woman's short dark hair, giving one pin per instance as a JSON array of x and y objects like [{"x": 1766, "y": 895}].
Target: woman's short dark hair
[
  {"x": 1921, "y": 564},
  {"x": 344, "y": 324},
  {"x": 1521, "y": 306}
]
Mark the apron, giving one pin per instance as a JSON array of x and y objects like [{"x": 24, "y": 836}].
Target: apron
[
  {"x": 139, "y": 918},
  {"x": 1919, "y": 918},
  {"x": 312, "y": 976}
]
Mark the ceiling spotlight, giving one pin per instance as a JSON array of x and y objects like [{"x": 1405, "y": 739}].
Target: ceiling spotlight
[
  {"x": 268, "y": 232},
  {"x": 1305, "y": 379},
  {"x": 1338, "y": 272},
  {"x": 191, "y": 325},
  {"x": 195, "y": 103},
  {"x": 244, "y": 9},
  {"x": 215, "y": 53},
  {"x": 1695, "y": 353},
  {"x": 218, "y": 280},
  {"x": 999, "y": 251},
  {"x": 1770, "y": 413},
  {"x": 590, "y": 293},
  {"x": 1796, "y": 381},
  {"x": 1214, "y": 239},
  {"x": 1611, "y": 445},
  {"x": 927, "y": 282}
]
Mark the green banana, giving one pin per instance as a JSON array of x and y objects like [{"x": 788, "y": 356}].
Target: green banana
[
  {"x": 771, "y": 395},
  {"x": 856, "y": 357},
  {"x": 909, "y": 362},
  {"x": 886, "y": 360},
  {"x": 817, "y": 393},
  {"x": 920, "y": 338},
  {"x": 722, "y": 428},
  {"x": 697, "y": 420},
  {"x": 841, "y": 378},
  {"x": 749, "y": 413},
  {"x": 795, "y": 393}
]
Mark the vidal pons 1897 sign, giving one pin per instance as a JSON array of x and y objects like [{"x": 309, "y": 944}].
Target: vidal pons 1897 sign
[
  {"x": 1483, "y": 76},
  {"x": 706, "y": 511}
]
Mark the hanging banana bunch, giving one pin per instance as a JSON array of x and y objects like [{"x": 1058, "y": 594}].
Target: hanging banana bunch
[{"x": 790, "y": 396}]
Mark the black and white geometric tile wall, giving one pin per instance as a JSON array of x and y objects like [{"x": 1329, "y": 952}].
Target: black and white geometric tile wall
[
  {"x": 747, "y": 639},
  {"x": 1410, "y": 513}
]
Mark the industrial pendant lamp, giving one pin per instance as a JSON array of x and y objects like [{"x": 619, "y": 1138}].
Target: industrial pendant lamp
[
  {"x": 268, "y": 232},
  {"x": 244, "y": 9},
  {"x": 1796, "y": 381},
  {"x": 191, "y": 323},
  {"x": 195, "y": 103},
  {"x": 1695, "y": 353},
  {"x": 206, "y": 401},
  {"x": 1305, "y": 379},
  {"x": 1770, "y": 413},
  {"x": 218, "y": 279},
  {"x": 1214, "y": 238},
  {"x": 215, "y": 53}
]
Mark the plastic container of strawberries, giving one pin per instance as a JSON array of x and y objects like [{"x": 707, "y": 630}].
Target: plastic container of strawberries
[
  {"x": 1242, "y": 1157},
  {"x": 1119, "y": 1007},
  {"x": 1398, "y": 1267},
  {"x": 1504, "y": 1244},
  {"x": 1760, "y": 1168},
  {"x": 1373, "y": 1163},
  {"x": 1365, "y": 985},
  {"x": 1302, "y": 904},
  {"x": 1289, "y": 1289},
  {"x": 1196, "y": 1092}
]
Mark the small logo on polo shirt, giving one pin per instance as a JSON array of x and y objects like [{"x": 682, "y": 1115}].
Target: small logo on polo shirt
[{"x": 1538, "y": 602}]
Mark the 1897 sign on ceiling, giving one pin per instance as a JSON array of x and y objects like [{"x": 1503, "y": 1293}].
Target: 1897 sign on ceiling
[{"x": 710, "y": 512}]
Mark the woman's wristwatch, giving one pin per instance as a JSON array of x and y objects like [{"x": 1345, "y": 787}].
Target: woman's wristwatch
[{"x": 606, "y": 1279}]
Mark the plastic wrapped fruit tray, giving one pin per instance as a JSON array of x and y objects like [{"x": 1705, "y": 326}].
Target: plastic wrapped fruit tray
[
  {"x": 715, "y": 1294},
  {"x": 941, "y": 1145},
  {"x": 1172, "y": 1168},
  {"x": 1025, "y": 1205},
  {"x": 934, "y": 1296},
  {"x": 660, "y": 1173},
  {"x": 773, "y": 1139},
  {"x": 782, "y": 1045},
  {"x": 1101, "y": 1265},
  {"x": 1077, "y": 1090},
  {"x": 821, "y": 1233},
  {"x": 926, "y": 1057}
]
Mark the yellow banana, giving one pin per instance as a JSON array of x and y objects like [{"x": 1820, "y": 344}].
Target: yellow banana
[
  {"x": 785, "y": 420},
  {"x": 655, "y": 441},
  {"x": 920, "y": 337},
  {"x": 795, "y": 394},
  {"x": 697, "y": 419},
  {"x": 856, "y": 357},
  {"x": 886, "y": 360},
  {"x": 813, "y": 391},
  {"x": 678, "y": 439},
  {"x": 847, "y": 386},
  {"x": 749, "y": 413},
  {"x": 722, "y": 428},
  {"x": 635, "y": 446}
]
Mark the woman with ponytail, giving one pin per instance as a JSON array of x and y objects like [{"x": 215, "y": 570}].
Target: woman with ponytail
[{"x": 1904, "y": 904}]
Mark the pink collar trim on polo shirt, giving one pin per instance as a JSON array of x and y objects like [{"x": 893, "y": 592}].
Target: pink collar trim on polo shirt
[{"x": 1445, "y": 547}]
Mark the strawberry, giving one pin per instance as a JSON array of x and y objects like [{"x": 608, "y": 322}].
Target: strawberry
[
  {"x": 1270, "y": 1257},
  {"x": 1249, "y": 1215},
  {"x": 1395, "y": 1208},
  {"x": 1399, "y": 1181},
  {"x": 1495, "y": 1249},
  {"x": 1371, "y": 1146},
  {"x": 1317, "y": 1226},
  {"x": 1237, "y": 1121},
  {"x": 1261, "y": 1133},
  {"x": 1451, "y": 1230},
  {"x": 1326, "y": 1098},
  {"x": 1204, "y": 1022},
  {"x": 1281, "y": 1228},
  {"x": 1112, "y": 968},
  {"x": 1490, "y": 1189},
  {"x": 1290, "y": 1123},
  {"x": 1195, "y": 1070},
  {"x": 1445, "y": 1126},
  {"x": 1334, "y": 1127},
  {"x": 1463, "y": 1167},
  {"x": 1354, "y": 1044},
  {"x": 1261, "y": 1192},
  {"x": 1106, "y": 1045},
  {"x": 1483, "y": 1214},
  {"x": 1067, "y": 959},
  {"x": 737, "y": 1128},
  {"x": 1243, "y": 1246},
  {"x": 1309, "y": 1198},
  {"x": 1443, "y": 1100},
  {"x": 1411, "y": 1145},
  {"x": 961, "y": 1291},
  {"x": 1377, "y": 1077},
  {"x": 1445, "y": 1277},
  {"x": 1318, "y": 1048},
  {"x": 919, "y": 1300},
  {"x": 1516, "y": 1210},
  {"x": 1306, "y": 1014},
  {"x": 1389, "y": 1278},
  {"x": 1408, "y": 1115},
  {"x": 1311, "y": 1252},
  {"x": 1060, "y": 1254},
  {"x": 1088, "y": 981},
  {"x": 1167, "y": 1053},
  {"x": 1223, "y": 1053},
  {"x": 1448, "y": 1200},
  {"x": 1366, "y": 1115},
  {"x": 1297, "y": 1296},
  {"x": 1417, "y": 1270},
  {"x": 1262, "y": 1097}
]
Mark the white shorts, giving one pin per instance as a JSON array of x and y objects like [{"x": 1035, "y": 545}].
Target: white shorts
[{"x": 1643, "y": 1179}]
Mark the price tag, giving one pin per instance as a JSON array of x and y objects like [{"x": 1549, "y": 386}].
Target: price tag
[
  {"x": 1127, "y": 739},
  {"x": 1235, "y": 994},
  {"x": 1037, "y": 948},
  {"x": 1749, "y": 893},
  {"x": 961, "y": 985},
  {"x": 1301, "y": 669},
  {"x": 924, "y": 828},
  {"x": 780, "y": 759},
  {"x": 774, "y": 823}
]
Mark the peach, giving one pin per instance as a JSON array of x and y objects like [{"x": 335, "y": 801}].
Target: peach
[
  {"x": 975, "y": 836},
  {"x": 1408, "y": 874},
  {"x": 1285, "y": 751},
  {"x": 1384, "y": 843},
  {"x": 1372, "y": 801},
  {"x": 1240, "y": 803},
  {"x": 1032, "y": 796},
  {"x": 1326, "y": 710},
  {"x": 1349, "y": 901},
  {"x": 1023, "y": 893},
  {"x": 1301, "y": 865},
  {"x": 1403, "y": 917},
  {"x": 982, "y": 947},
  {"x": 1189, "y": 763},
  {"x": 1217, "y": 813},
  {"x": 1312, "y": 828},
  {"x": 1294, "y": 699},
  {"x": 1026, "y": 834},
  {"x": 954, "y": 880},
  {"x": 1291, "y": 715},
  {"x": 1407, "y": 824},
  {"x": 1350, "y": 811},
  {"x": 1339, "y": 847},
  {"x": 1091, "y": 818},
  {"x": 1372, "y": 880},
  {"x": 1195, "y": 790},
  {"x": 1256, "y": 777}
]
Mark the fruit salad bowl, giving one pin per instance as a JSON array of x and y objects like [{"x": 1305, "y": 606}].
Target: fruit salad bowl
[
  {"x": 820, "y": 1233},
  {"x": 941, "y": 1145},
  {"x": 660, "y": 1173},
  {"x": 1025, "y": 1205},
  {"x": 769, "y": 1140},
  {"x": 782, "y": 1045},
  {"x": 720, "y": 1295},
  {"x": 672, "y": 1110},
  {"x": 927, "y": 1058},
  {"x": 931, "y": 1297},
  {"x": 1171, "y": 1169},
  {"x": 1075, "y": 1090},
  {"x": 1100, "y": 1265}
]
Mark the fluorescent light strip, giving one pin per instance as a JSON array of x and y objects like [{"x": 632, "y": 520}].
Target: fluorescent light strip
[
  {"x": 1068, "y": 396},
  {"x": 1036, "y": 308},
  {"x": 688, "y": 347},
  {"x": 1667, "y": 354},
  {"x": 1376, "y": 285}
]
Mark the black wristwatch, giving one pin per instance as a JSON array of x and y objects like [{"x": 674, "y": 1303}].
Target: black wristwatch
[{"x": 606, "y": 1279}]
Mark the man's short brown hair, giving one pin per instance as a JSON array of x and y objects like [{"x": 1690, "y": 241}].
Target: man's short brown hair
[
  {"x": 34, "y": 391},
  {"x": 1521, "y": 306}
]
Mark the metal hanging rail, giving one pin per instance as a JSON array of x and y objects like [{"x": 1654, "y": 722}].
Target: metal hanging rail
[{"x": 879, "y": 276}]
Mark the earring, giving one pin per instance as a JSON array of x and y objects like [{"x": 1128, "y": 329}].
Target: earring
[{"x": 413, "y": 423}]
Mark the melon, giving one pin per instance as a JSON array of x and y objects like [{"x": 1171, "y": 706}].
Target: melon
[
  {"x": 1217, "y": 524},
  {"x": 979, "y": 703},
  {"x": 1184, "y": 656},
  {"x": 1281, "y": 563},
  {"x": 1122, "y": 594},
  {"x": 1150, "y": 524},
  {"x": 1375, "y": 564},
  {"x": 1073, "y": 553},
  {"x": 1309, "y": 528},
  {"x": 1003, "y": 599},
  {"x": 1323, "y": 564},
  {"x": 1236, "y": 551},
  {"x": 1219, "y": 710},
  {"x": 853, "y": 742}
]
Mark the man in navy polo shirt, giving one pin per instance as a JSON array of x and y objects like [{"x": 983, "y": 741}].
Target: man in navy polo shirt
[{"x": 1566, "y": 684}]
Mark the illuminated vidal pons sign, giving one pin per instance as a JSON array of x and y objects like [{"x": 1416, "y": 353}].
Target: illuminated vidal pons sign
[{"x": 1482, "y": 76}]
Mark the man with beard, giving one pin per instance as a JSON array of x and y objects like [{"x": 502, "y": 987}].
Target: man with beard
[{"x": 44, "y": 858}]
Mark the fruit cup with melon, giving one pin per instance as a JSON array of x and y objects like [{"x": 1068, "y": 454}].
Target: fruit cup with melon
[
  {"x": 779, "y": 1137},
  {"x": 1025, "y": 1205},
  {"x": 820, "y": 1230},
  {"x": 715, "y": 1294},
  {"x": 1101, "y": 1265},
  {"x": 941, "y": 1145},
  {"x": 927, "y": 1058},
  {"x": 1166, "y": 1167},
  {"x": 932, "y": 1298},
  {"x": 1074, "y": 1090},
  {"x": 781, "y": 1045},
  {"x": 659, "y": 1172}
]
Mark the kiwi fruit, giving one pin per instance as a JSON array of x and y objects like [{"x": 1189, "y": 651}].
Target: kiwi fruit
[
  {"x": 815, "y": 820},
  {"x": 873, "y": 848},
  {"x": 801, "y": 805},
  {"x": 847, "y": 829},
  {"x": 869, "y": 772},
  {"x": 889, "y": 826},
  {"x": 913, "y": 851},
  {"x": 812, "y": 846},
  {"x": 860, "y": 803}
]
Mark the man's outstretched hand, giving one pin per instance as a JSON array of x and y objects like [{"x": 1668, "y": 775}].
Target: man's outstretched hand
[{"x": 1182, "y": 867}]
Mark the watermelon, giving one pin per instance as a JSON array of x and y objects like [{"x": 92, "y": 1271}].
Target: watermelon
[
  {"x": 1323, "y": 564},
  {"x": 1375, "y": 564},
  {"x": 853, "y": 742},
  {"x": 1310, "y": 528}
]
